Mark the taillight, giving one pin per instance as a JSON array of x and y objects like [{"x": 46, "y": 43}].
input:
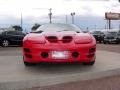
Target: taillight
[
  {"x": 27, "y": 50},
  {"x": 92, "y": 50}
]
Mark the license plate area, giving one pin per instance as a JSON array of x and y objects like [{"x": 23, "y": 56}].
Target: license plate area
[{"x": 59, "y": 54}]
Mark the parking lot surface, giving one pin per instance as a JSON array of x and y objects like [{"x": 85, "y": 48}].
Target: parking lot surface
[
  {"x": 14, "y": 75},
  {"x": 109, "y": 47}
]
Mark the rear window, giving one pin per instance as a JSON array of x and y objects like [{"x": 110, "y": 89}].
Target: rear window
[
  {"x": 11, "y": 32},
  {"x": 58, "y": 27},
  {"x": 97, "y": 32}
]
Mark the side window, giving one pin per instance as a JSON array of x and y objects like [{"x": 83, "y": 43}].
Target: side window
[
  {"x": 119, "y": 34},
  {"x": 20, "y": 33},
  {"x": 11, "y": 33},
  {"x": 3, "y": 33}
]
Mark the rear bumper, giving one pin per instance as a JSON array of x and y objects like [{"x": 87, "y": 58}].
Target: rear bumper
[{"x": 33, "y": 54}]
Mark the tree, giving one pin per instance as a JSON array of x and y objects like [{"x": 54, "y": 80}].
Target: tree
[
  {"x": 17, "y": 28},
  {"x": 35, "y": 26}
]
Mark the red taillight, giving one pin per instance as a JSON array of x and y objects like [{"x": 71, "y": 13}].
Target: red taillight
[
  {"x": 27, "y": 53},
  {"x": 27, "y": 50},
  {"x": 91, "y": 52}
]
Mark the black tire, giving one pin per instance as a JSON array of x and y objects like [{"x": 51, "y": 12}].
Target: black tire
[
  {"x": 28, "y": 64},
  {"x": 104, "y": 42},
  {"x": 100, "y": 41},
  {"x": 117, "y": 42},
  {"x": 5, "y": 43},
  {"x": 89, "y": 63}
]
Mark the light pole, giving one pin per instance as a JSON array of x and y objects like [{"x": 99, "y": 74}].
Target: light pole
[
  {"x": 72, "y": 14},
  {"x": 50, "y": 15},
  {"x": 95, "y": 27}
]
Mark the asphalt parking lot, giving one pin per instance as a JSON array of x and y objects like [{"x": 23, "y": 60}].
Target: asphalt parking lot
[{"x": 14, "y": 75}]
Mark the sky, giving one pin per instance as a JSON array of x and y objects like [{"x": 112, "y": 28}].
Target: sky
[{"x": 88, "y": 13}]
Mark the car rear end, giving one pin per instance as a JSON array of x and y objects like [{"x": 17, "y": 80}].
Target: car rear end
[{"x": 65, "y": 48}]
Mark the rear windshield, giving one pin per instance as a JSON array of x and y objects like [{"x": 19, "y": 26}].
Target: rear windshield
[
  {"x": 58, "y": 27},
  {"x": 97, "y": 32}
]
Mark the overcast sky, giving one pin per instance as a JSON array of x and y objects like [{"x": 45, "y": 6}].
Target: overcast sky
[{"x": 86, "y": 11}]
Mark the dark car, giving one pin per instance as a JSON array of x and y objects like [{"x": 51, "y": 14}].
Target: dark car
[
  {"x": 11, "y": 38},
  {"x": 98, "y": 35},
  {"x": 112, "y": 37}
]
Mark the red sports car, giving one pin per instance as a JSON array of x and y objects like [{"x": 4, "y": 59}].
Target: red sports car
[{"x": 59, "y": 43}]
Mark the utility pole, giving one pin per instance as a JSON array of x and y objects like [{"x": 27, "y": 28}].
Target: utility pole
[
  {"x": 72, "y": 14},
  {"x": 119, "y": 26},
  {"x": 107, "y": 24},
  {"x": 50, "y": 15},
  {"x": 95, "y": 27},
  {"x": 109, "y": 21}
]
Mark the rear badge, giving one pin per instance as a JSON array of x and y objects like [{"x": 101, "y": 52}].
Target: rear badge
[{"x": 59, "y": 54}]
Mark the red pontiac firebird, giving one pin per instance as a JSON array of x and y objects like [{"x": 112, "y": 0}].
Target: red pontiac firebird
[{"x": 59, "y": 43}]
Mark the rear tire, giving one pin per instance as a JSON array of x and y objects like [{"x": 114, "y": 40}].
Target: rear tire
[
  {"x": 100, "y": 41},
  {"x": 104, "y": 42},
  {"x": 29, "y": 64},
  {"x": 89, "y": 63},
  {"x": 117, "y": 42}
]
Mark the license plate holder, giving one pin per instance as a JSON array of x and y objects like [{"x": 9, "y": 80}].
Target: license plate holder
[{"x": 59, "y": 54}]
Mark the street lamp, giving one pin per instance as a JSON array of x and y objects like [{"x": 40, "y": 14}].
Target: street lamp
[
  {"x": 72, "y": 14},
  {"x": 50, "y": 15}
]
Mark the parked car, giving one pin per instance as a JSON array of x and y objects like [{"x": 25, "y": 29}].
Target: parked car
[
  {"x": 112, "y": 37},
  {"x": 98, "y": 35},
  {"x": 11, "y": 38},
  {"x": 59, "y": 43}
]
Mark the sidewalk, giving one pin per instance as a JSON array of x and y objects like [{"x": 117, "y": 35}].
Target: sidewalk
[{"x": 107, "y": 83}]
